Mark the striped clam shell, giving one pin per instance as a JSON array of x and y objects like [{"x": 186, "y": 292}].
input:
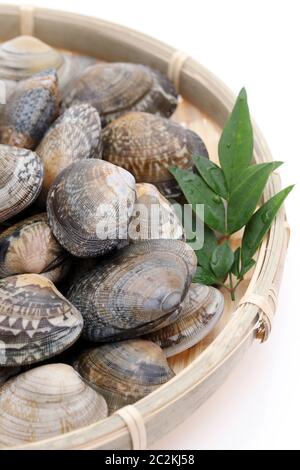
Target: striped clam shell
[
  {"x": 129, "y": 294},
  {"x": 30, "y": 247},
  {"x": 44, "y": 402},
  {"x": 124, "y": 372},
  {"x": 202, "y": 309},
  {"x": 75, "y": 135},
  {"x": 36, "y": 321},
  {"x": 30, "y": 110},
  {"x": 89, "y": 206},
  {"x": 21, "y": 175},
  {"x": 148, "y": 145},
  {"x": 154, "y": 217},
  {"x": 114, "y": 89}
]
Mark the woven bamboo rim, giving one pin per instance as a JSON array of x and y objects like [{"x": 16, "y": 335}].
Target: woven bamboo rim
[{"x": 163, "y": 409}]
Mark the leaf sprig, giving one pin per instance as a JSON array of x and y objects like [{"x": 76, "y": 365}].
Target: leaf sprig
[{"x": 230, "y": 195}]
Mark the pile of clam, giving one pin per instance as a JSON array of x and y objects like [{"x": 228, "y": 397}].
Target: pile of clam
[{"x": 83, "y": 147}]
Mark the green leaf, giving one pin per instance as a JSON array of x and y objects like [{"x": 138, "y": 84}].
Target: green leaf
[
  {"x": 205, "y": 276},
  {"x": 221, "y": 260},
  {"x": 247, "y": 266},
  {"x": 212, "y": 175},
  {"x": 259, "y": 224},
  {"x": 209, "y": 244},
  {"x": 196, "y": 192},
  {"x": 236, "y": 267},
  {"x": 246, "y": 195},
  {"x": 236, "y": 142}
]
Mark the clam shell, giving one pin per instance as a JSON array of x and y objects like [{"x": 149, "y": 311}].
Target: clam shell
[
  {"x": 30, "y": 110},
  {"x": 148, "y": 145},
  {"x": 24, "y": 56},
  {"x": 30, "y": 247},
  {"x": 153, "y": 216},
  {"x": 44, "y": 402},
  {"x": 114, "y": 89},
  {"x": 89, "y": 206},
  {"x": 36, "y": 321},
  {"x": 129, "y": 294},
  {"x": 75, "y": 135},
  {"x": 124, "y": 372},
  {"x": 21, "y": 175},
  {"x": 7, "y": 372},
  {"x": 202, "y": 310}
]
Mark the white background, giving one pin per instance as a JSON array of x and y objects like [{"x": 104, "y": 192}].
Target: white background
[{"x": 252, "y": 43}]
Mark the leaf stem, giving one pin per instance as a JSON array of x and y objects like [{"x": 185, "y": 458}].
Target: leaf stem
[
  {"x": 238, "y": 283},
  {"x": 232, "y": 289}
]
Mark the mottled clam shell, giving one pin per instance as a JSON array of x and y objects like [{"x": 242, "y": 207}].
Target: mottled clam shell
[
  {"x": 36, "y": 321},
  {"x": 21, "y": 176},
  {"x": 7, "y": 372},
  {"x": 79, "y": 267},
  {"x": 114, "y": 89},
  {"x": 75, "y": 135},
  {"x": 124, "y": 372},
  {"x": 179, "y": 249},
  {"x": 24, "y": 56},
  {"x": 45, "y": 402},
  {"x": 153, "y": 216},
  {"x": 30, "y": 247},
  {"x": 202, "y": 310},
  {"x": 30, "y": 110},
  {"x": 129, "y": 294},
  {"x": 89, "y": 206},
  {"x": 148, "y": 145}
]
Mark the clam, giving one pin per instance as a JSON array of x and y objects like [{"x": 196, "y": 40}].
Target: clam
[
  {"x": 153, "y": 216},
  {"x": 148, "y": 145},
  {"x": 124, "y": 372},
  {"x": 30, "y": 110},
  {"x": 129, "y": 294},
  {"x": 7, "y": 372},
  {"x": 114, "y": 89},
  {"x": 21, "y": 175},
  {"x": 201, "y": 311},
  {"x": 24, "y": 56},
  {"x": 75, "y": 135},
  {"x": 44, "y": 402},
  {"x": 89, "y": 206},
  {"x": 36, "y": 321},
  {"x": 29, "y": 247}
]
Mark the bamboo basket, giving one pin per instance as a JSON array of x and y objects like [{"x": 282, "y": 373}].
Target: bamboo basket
[{"x": 204, "y": 108}]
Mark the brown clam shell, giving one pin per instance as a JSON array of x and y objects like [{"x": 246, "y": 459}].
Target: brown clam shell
[
  {"x": 148, "y": 145},
  {"x": 202, "y": 309},
  {"x": 154, "y": 217},
  {"x": 124, "y": 372},
  {"x": 75, "y": 135},
  {"x": 129, "y": 294},
  {"x": 89, "y": 206},
  {"x": 114, "y": 89},
  {"x": 30, "y": 110},
  {"x": 30, "y": 247},
  {"x": 36, "y": 321},
  {"x": 45, "y": 402},
  {"x": 21, "y": 176}
]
